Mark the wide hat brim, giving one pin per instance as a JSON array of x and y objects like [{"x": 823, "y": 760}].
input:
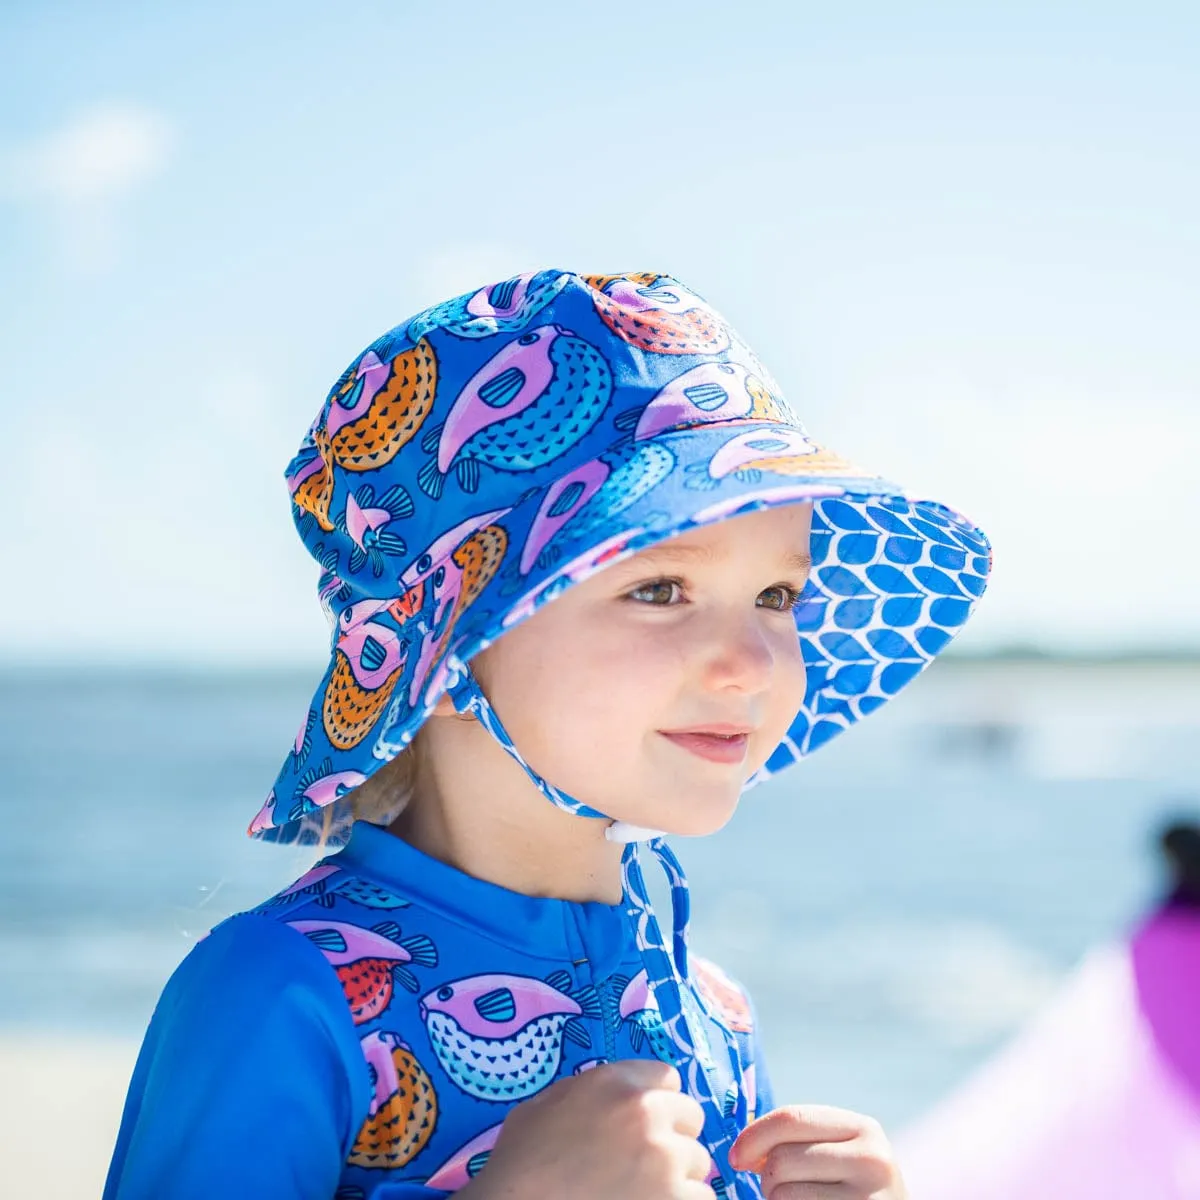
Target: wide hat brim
[{"x": 894, "y": 577}]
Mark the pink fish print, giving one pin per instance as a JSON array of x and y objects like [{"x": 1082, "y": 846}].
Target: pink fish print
[
  {"x": 638, "y": 1006},
  {"x": 748, "y": 501},
  {"x": 548, "y": 379},
  {"x": 466, "y": 1162},
  {"x": 722, "y": 994},
  {"x": 713, "y": 391},
  {"x": 365, "y": 521},
  {"x": 500, "y": 1037},
  {"x": 657, "y": 314},
  {"x": 369, "y": 961},
  {"x": 368, "y": 661},
  {"x": 503, "y": 306},
  {"x": 562, "y": 501},
  {"x": 456, "y": 568},
  {"x": 574, "y": 572},
  {"x": 265, "y": 817},
  {"x": 319, "y": 786},
  {"x": 404, "y": 1106},
  {"x": 780, "y": 451},
  {"x": 314, "y": 885}
]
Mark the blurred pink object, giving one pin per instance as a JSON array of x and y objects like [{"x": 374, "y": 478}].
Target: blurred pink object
[{"x": 1098, "y": 1098}]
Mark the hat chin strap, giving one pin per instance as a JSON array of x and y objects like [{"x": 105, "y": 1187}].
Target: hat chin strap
[
  {"x": 681, "y": 1009},
  {"x": 468, "y": 696}
]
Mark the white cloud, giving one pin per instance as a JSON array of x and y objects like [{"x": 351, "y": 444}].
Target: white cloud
[{"x": 82, "y": 173}]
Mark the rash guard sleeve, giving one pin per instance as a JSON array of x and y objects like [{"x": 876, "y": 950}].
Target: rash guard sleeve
[{"x": 250, "y": 1080}]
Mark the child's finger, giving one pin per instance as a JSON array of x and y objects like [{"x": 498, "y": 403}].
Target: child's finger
[
  {"x": 647, "y": 1073},
  {"x": 826, "y": 1162},
  {"x": 793, "y": 1123},
  {"x": 813, "y": 1191}
]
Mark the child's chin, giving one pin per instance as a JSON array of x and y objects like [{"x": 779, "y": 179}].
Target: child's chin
[
  {"x": 704, "y": 828},
  {"x": 696, "y": 821}
]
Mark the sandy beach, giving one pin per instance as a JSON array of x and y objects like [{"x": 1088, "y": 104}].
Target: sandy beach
[{"x": 60, "y": 1106}]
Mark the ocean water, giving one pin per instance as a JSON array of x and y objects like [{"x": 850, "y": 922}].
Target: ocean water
[{"x": 898, "y": 904}]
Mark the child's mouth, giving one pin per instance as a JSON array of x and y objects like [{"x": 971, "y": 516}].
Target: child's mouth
[{"x": 726, "y": 748}]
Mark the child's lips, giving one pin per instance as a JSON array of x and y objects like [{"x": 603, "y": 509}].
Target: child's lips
[{"x": 728, "y": 748}]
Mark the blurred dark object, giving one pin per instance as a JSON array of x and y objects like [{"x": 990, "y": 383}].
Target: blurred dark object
[{"x": 1180, "y": 843}]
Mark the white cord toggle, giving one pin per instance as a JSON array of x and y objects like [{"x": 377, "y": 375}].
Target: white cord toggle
[{"x": 622, "y": 831}]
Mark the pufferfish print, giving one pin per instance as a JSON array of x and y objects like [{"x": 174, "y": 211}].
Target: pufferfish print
[
  {"x": 713, "y": 391},
  {"x": 748, "y": 455},
  {"x": 303, "y": 743},
  {"x": 729, "y": 506},
  {"x": 717, "y": 1183},
  {"x": 326, "y": 882},
  {"x": 332, "y": 589},
  {"x": 466, "y": 1162},
  {"x": 456, "y": 579},
  {"x": 368, "y": 962},
  {"x": 500, "y": 1037},
  {"x": 563, "y": 499},
  {"x": 526, "y": 406},
  {"x": 594, "y": 498},
  {"x": 638, "y": 1006},
  {"x": 657, "y": 314},
  {"x": 321, "y": 785},
  {"x": 721, "y": 994},
  {"x": 496, "y": 309},
  {"x": 265, "y": 817},
  {"x": 404, "y": 1106},
  {"x": 369, "y": 658},
  {"x": 312, "y": 885},
  {"x": 315, "y": 787},
  {"x": 366, "y": 894},
  {"x": 377, "y": 408},
  {"x": 574, "y": 572},
  {"x": 365, "y": 521}
]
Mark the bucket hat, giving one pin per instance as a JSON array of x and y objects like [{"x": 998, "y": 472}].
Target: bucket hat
[{"x": 481, "y": 458}]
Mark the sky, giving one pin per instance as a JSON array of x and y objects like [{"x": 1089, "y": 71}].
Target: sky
[{"x": 964, "y": 237}]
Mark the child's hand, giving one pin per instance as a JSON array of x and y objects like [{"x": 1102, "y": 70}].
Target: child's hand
[
  {"x": 814, "y": 1152},
  {"x": 621, "y": 1129}
]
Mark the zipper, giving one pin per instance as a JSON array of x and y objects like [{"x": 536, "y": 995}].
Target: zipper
[{"x": 608, "y": 1011}]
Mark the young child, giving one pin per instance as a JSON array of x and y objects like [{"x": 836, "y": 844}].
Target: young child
[{"x": 575, "y": 547}]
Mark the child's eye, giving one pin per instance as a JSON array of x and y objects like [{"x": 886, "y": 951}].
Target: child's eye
[
  {"x": 659, "y": 591},
  {"x": 786, "y": 598}
]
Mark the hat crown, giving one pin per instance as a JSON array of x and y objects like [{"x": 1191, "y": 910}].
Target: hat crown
[{"x": 458, "y": 415}]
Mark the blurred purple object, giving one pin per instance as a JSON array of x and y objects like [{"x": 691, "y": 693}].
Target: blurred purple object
[
  {"x": 1098, "y": 1097},
  {"x": 1166, "y": 967}
]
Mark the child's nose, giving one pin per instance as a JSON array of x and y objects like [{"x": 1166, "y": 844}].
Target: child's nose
[{"x": 740, "y": 654}]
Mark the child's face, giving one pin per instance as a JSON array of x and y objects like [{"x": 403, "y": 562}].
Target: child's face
[{"x": 692, "y": 634}]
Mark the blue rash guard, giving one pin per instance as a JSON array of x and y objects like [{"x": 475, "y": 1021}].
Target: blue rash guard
[{"x": 362, "y": 1034}]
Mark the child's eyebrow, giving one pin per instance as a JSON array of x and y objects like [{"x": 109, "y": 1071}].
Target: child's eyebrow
[{"x": 796, "y": 560}]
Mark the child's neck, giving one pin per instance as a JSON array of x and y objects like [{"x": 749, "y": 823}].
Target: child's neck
[{"x": 554, "y": 854}]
